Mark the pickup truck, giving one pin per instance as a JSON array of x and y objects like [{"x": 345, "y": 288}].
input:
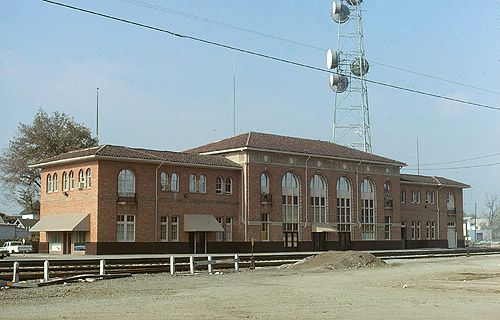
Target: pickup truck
[
  {"x": 4, "y": 253},
  {"x": 16, "y": 247}
]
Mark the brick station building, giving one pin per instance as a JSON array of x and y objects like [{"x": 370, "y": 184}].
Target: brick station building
[{"x": 283, "y": 193}]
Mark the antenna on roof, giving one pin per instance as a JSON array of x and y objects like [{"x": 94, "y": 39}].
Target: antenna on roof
[
  {"x": 418, "y": 160},
  {"x": 97, "y": 116},
  {"x": 234, "y": 96}
]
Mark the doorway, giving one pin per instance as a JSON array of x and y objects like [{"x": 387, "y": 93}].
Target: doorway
[
  {"x": 319, "y": 241},
  {"x": 344, "y": 241}
]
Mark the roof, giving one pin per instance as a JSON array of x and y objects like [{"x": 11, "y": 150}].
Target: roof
[
  {"x": 272, "y": 142},
  {"x": 428, "y": 180},
  {"x": 111, "y": 152},
  {"x": 63, "y": 222},
  {"x": 28, "y": 223},
  {"x": 201, "y": 222}
]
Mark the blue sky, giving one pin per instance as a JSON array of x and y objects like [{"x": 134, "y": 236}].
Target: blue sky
[{"x": 157, "y": 91}]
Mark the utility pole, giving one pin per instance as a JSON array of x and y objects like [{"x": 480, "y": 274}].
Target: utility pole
[
  {"x": 97, "y": 116},
  {"x": 475, "y": 223}
]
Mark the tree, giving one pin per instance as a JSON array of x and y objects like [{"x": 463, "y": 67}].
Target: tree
[
  {"x": 47, "y": 136},
  {"x": 492, "y": 214}
]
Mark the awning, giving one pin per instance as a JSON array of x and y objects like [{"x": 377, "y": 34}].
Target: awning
[
  {"x": 323, "y": 227},
  {"x": 63, "y": 222},
  {"x": 201, "y": 222}
]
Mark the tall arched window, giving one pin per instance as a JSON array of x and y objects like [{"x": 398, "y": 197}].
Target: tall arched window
[
  {"x": 174, "y": 182},
  {"x": 55, "y": 185},
  {"x": 403, "y": 195},
  {"x": 49, "y": 183},
  {"x": 219, "y": 182},
  {"x": 450, "y": 202},
  {"x": 88, "y": 181},
  {"x": 65, "y": 181},
  {"x": 229, "y": 185},
  {"x": 164, "y": 181},
  {"x": 290, "y": 209},
  {"x": 192, "y": 183},
  {"x": 202, "y": 184},
  {"x": 71, "y": 180},
  {"x": 387, "y": 191},
  {"x": 415, "y": 196},
  {"x": 126, "y": 183},
  {"x": 81, "y": 179},
  {"x": 264, "y": 184},
  {"x": 344, "y": 204},
  {"x": 318, "y": 199},
  {"x": 367, "y": 210}
]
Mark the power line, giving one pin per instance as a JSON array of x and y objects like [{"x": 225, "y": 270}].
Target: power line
[
  {"x": 298, "y": 64},
  {"x": 456, "y": 168},
  {"x": 455, "y": 161},
  {"x": 303, "y": 44}
]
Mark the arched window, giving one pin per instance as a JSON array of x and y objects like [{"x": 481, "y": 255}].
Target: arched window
[
  {"x": 229, "y": 185},
  {"x": 429, "y": 197},
  {"x": 202, "y": 184},
  {"x": 218, "y": 184},
  {"x": 367, "y": 210},
  {"x": 192, "y": 183},
  {"x": 65, "y": 181},
  {"x": 55, "y": 182},
  {"x": 290, "y": 209},
  {"x": 88, "y": 173},
  {"x": 126, "y": 183},
  {"x": 415, "y": 196},
  {"x": 174, "y": 182},
  {"x": 450, "y": 203},
  {"x": 164, "y": 181},
  {"x": 403, "y": 195},
  {"x": 318, "y": 199},
  {"x": 81, "y": 179},
  {"x": 49, "y": 183},
  {"x": 264, "y": 184},
  {"x": 387, "y": 191},
  {"x": 344, "y": 204},
  {"x": 71, "y": 180}
]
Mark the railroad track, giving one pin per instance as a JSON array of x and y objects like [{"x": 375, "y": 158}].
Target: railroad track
[{"x": 32, "y": 269}]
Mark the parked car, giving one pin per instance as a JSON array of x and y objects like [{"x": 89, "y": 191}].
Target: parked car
[
  {"x": 4, "y": 252},
  {"x": 17, "y": 247}
]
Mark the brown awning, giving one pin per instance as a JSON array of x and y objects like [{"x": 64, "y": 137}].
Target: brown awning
[
  {"x": 201, "y": 222},
  {"x": 323, "y": 227},
  {"x": 63, "y": 222}
]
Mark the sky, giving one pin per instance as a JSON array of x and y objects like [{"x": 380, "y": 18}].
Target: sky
[{"x": 163, "y": 92}]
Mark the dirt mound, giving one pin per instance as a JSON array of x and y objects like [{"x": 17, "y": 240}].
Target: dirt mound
[{"x": 338, "y": 260}]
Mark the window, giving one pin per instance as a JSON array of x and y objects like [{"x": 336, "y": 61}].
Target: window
[
  {"x": 229, "y": 185},
  {"x": 125, "y": 228},
  {"x": 55, "y": 183},
  {"x": 164, "y": 181},
  {"x": 174, "y": 182},
  {"x": 450, "y": 202},
  {"x": 343, "y": 205},
  {"x": 192, "y": 183},
  {"x": 290, "y": 209},
  {"x": 264, "y": 231},
  {"x": 387, "y": 228},
  {"x": 126, "y": 183},
  {"x": 71, "y": 180},
  {"x": 433, "y": 230},
  {"x": 65, "y": 181},
  {"x": 427, "y": 230},
  {"x": 218, "y": 185},
  {"x": 264, "y": 184},
  {"x": 387, "y": 191},
  {"x": 219, "y": 235},
  {"x": 403, "y": 195},
  {"x": 175, "y": 228},
  {"x": 163, "y": 228},
  {"x": 202, "y": 184},
  {"x": 367, "y": 210},
  {"x": 318, "y": 199},
  {"x": 413, "y": 230},
  {"x": 229, "y": 229},
  {"x": 49, "y": 183},
  {"x": 89, "y": 178},
  {"x": 419, "y": 234},
  {"x": 415, "y": 196},
  {"x": 81, "y": 179}
]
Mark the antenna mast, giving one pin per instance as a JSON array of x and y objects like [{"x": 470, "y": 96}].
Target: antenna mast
[
  {"x": 97, "y": 116},
  {"x": 351, "y": 117}
]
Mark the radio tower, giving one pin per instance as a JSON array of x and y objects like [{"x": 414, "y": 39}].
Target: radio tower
[{"x": 351, "y": 117}]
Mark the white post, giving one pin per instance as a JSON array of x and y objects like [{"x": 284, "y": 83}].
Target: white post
[
  {"x": 210, "y": 264},
  {"x": 236, "y": 262},
  {"x": 102, "y": 267},
  {"x": 191, "y": 264},
  {"x": 172, "y": 265},
  {"x": 46, "y": 271},
  {"x": 15, "y": 272}
]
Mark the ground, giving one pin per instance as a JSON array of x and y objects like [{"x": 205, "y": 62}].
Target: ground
[{"x": 446, "y": 288}]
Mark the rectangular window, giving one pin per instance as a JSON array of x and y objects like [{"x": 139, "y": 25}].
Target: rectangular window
[
  {"x": 368, "y": 219},
  {"x": 344, "y": 214},
  {"x": 387, "y": 228},
  {"x": 164, "y": 228},
  {"x": 413, "y": 230},
  {"x": 433, "y": 230},
  {"x": 264, "y": 231},
  {"x": 229, "y": 229},
  {"x": 427, "y": 230},
  {"x": 419, "y": 234},
  {"x": 219, "y": 235},
  {"x": 125, "y": 228},
  {"x": 175, "y": 228}
]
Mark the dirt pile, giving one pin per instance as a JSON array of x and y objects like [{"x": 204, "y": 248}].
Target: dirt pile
[{"x": 338, "y": 260}]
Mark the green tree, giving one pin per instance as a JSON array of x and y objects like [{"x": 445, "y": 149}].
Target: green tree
[{"x": 47, "y": 136}]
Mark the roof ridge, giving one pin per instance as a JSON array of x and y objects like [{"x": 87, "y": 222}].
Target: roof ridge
[{"x": 248, "y": 139}]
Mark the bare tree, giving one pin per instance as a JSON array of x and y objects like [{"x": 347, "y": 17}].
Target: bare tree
[{"x": 492, "y": 214}]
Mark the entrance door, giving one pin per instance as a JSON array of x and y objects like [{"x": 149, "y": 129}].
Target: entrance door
[
  {"x": 344, "y": 241},
  {"x": 403, "y": 237},
  {"x": 197, "y": 242},
  {"x": 67, "y": 243},
  {"x": 452, "y": 235},
  {"x": 290, "y": 240},
  {"x": 319, "y": 241}
]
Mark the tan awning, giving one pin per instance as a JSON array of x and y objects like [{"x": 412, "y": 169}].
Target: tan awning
[
  {"x": 323, "y": 227},
  {"x": 201, "y": 222},
  {"x": 63, "y": 222}
]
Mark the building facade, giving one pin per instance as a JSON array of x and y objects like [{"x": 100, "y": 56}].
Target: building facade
[{"x": 280, "y": 193}]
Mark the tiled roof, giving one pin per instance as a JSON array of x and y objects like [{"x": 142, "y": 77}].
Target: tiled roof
[
  {"x": 121, "y": 152},
  {"x": 265, "y": 141},
  {"x": 436, "y": 181}
]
